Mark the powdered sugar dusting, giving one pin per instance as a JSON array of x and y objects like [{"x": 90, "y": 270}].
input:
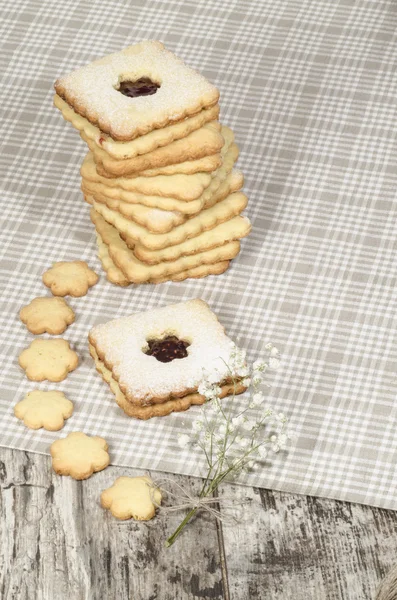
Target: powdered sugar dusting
[
  {"x": 92, "y": 91},
  {"x": 120, "y": 343}
]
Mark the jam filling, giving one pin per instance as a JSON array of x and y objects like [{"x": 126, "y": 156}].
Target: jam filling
[
  {"x": 167, "y": 349},
  {"x": 141, "y": 87}
]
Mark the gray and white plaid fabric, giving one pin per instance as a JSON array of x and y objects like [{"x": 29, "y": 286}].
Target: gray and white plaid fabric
[{"x": 310, "y": 88}]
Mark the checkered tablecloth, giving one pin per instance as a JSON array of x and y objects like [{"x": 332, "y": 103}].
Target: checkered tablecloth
[{"x": 310, "y": 88}]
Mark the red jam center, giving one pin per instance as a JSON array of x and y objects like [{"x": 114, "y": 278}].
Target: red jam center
[
  {"x": 141, "y": 87},
  {"x": 167, "y": 349}
]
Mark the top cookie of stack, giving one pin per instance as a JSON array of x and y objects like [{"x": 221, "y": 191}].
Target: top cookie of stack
[{"x": 159, "y": 173}]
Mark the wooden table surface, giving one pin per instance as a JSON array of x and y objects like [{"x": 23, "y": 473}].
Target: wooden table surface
[{"x": 57, "y": 543}]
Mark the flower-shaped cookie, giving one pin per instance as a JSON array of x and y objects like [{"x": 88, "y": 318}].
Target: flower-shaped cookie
[
  {"x": 79, "y": 455},
  {"x": 70, "y": 278},
  {"x": 132, "y": 497},
  {"x": 48, "y": 359},
  {"x": 47, "y": 315},
  {"x": 44, "y": 409}
]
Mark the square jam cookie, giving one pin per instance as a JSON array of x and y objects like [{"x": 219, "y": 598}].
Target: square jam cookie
[
  {"x": 163, "y": 353},
  {"x": 132, "y": 92}
]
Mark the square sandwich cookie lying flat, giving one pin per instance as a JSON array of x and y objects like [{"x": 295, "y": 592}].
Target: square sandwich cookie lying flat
[
  {"x": 203, "y": 142},
  {"x": 179, "y": 186},
  {"x": 141, "y": 145},
  {"x": 207, "y": 219},
  {"x": 223, "y": 181},
  {"x": 130, "y": 93},
  {"x": 137, "y": 271},
  {"x": 155, "y": 361},
  {"x": 115, "y": 275}
]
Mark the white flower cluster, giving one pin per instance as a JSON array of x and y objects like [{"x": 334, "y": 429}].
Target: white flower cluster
[{"x": 234, "y": 441}]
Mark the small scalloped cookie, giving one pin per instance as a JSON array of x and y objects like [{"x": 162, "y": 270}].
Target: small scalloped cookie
[
  {"x": 116, "y": 275},
  {"x": 50, "y": 360},
  {"x": 173, "y": 91},
  {"x": 132, "y": 498},
  {"x": 143, "y": 144},
  {"x": 79, "y": 455},
  {"x": 70, "y": 278},
  {"x": 47, "y": 409},
  {"x": 47, "y": 315},
  {"x": 138, "y": 272},
  {"x": 203, "y": 142}
]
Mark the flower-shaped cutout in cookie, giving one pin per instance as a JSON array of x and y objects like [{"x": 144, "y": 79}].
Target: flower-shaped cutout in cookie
[
  {"x": 44, "y": 409},
  {"x": 47, "y": 315},
  {"x": 79, "y": 455},
  {"x": 132, "y": 497},
  {"x": 48, "y": 359},
  {"x": 70, "y": 278}
]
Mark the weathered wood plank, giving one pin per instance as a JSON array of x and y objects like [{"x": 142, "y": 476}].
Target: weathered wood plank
[
  {"x": 57, "y": 543},
  {"x": 291, "y": 546}
]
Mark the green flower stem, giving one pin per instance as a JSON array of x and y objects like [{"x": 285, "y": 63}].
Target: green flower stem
[
  {"x": 179, "y": 529},
  {"x": 206, "y": 490}
]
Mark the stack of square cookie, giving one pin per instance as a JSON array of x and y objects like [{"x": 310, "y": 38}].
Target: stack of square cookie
[{"x": 159, "y": 173}]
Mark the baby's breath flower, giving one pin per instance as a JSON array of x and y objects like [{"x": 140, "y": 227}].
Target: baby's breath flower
[
  {"x": 183, "y": 440},
  {"x": 259, "y": 365},
  {"x": 222, "y": 429},
  {"x": 238, "y": 420},
  {"x": 238, "y": 362},
  {"x": 242, "y": 371},
  {"x": 203, "y": 388},
  {"x": 248, "y": 424},
  {"x": 262, "y": 451},
  {"x": 282, "y": 440},
  {"x": 243, "y": 442},
  {"x": 256, "y": 380},
  {"x": 209, "y": 390},
  {"x": 258, "y": 399},
  {"x": 274, "y": 363},
  {"x": 235, "y": 434}
]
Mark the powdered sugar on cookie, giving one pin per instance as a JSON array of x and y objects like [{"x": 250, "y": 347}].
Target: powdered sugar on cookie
[
  {"x": 121, "y": 344},
  {"x": 93, "y": 91}
]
